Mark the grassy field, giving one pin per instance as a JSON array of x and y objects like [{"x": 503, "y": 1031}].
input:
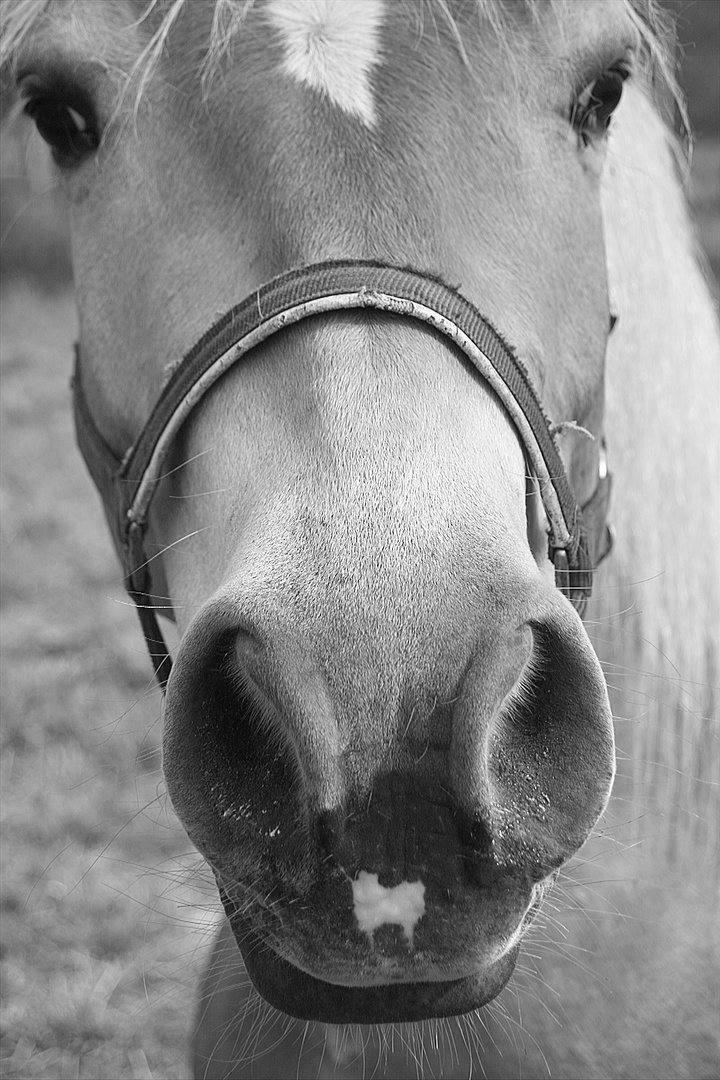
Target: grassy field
[{"x": 99, "y": 889}]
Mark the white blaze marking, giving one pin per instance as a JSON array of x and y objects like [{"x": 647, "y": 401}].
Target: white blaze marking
[
  {"x": 377, "y": 906},
  {"x": 332, "y": 45}
]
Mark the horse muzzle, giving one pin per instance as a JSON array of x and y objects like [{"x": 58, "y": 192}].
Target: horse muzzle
[{"x": 375, "y": 884}]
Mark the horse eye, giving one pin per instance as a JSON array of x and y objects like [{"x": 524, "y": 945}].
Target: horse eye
[
  {"x": 593, "y": 108},
  {"x": 68, "y": 133}
]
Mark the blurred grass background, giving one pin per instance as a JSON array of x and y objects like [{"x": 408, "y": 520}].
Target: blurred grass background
[
  {"x": 101, "y": 908},
  {"x": 104, "y": 904}
]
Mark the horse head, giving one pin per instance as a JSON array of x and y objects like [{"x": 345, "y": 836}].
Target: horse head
[{"x": 386, "y": 728}]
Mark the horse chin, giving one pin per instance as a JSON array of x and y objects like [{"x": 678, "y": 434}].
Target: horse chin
[{"x": 299, "y": 994}]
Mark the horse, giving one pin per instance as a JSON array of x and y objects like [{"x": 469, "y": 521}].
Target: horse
[{"x": 451, "y": 281}]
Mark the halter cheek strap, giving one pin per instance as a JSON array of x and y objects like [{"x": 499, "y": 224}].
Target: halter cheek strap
[{"x": 577, "y": 540}]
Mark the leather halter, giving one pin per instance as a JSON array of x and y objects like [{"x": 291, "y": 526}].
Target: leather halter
[{"x": 577, "y": 540}]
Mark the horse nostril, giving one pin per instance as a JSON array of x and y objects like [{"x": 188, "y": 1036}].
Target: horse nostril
[
  {"x": 251, "y": 749},
  {"x": 533, "y": 754},
  {"x": 550, "y": 753}
]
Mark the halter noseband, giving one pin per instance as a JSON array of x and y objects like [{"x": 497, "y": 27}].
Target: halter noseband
[{"x": 577, "y": 540}]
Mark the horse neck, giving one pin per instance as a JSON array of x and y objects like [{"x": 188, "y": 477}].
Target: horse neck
[{"x": 657, "y": 623}]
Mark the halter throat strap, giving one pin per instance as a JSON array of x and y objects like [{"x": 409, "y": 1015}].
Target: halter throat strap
[{"x": 127, "y": 487}]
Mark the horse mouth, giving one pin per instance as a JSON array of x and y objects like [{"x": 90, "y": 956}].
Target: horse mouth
[{"x": 296, "y": 992}]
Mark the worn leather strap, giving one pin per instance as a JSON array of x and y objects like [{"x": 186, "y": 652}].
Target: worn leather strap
[{"x": 128, "y": 487}]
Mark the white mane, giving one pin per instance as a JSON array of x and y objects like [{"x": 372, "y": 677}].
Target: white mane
[{"x": 660, "y": 590}]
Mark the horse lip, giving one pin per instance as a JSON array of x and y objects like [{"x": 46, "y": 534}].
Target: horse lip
[{"x": 304, "y": 996}]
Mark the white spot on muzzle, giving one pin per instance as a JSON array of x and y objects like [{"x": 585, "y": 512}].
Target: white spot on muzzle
[
  {"x": 403, "y": 905},
  {"x": 331, "y": 46}
]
